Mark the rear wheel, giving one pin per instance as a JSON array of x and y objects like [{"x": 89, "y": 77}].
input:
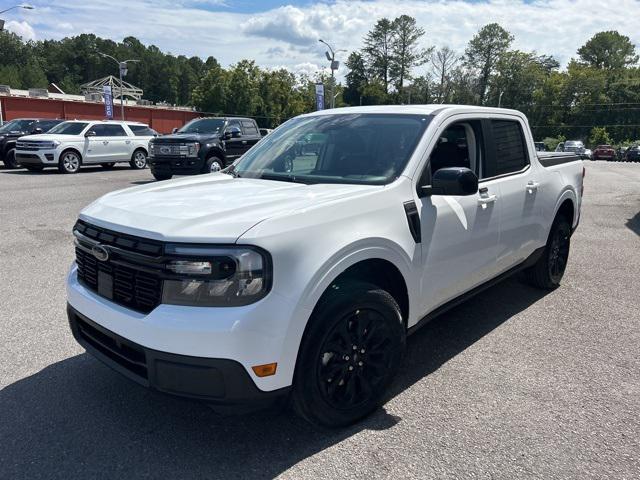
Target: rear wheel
[
  {"x": 549, "y": 269},
  {"x": 107, "y": 166},
  {"x": 138, "y": 160},
  {"x": 349, "y": 356},
  {"x": 69, "y": 162},
  {"x": 10, "y": 159}
]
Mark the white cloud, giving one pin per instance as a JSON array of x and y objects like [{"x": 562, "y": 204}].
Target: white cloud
[
  {"x": 23, "y": 29},
  {"x": 288, "y": 35}
]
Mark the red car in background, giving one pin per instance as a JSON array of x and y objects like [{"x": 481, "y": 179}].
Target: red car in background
[{"x": 604, "y": 152}]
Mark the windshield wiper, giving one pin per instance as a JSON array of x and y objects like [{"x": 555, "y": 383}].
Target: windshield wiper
[
  {"x": 283, "y": 178},
  {"x": 231, "y": 170}
]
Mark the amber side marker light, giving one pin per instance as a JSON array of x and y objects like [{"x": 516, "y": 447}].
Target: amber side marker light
[{"x": 265, "y": 370}]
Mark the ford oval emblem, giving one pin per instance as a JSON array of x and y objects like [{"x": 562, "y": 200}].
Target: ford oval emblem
[
  {"x": 165, "y": 150},
  {"x": 100, "y": 253}
]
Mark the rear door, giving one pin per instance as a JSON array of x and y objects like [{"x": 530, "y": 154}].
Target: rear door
[
  {"x": 522, "y": 183},
  {"x": 118, "y": 143}
]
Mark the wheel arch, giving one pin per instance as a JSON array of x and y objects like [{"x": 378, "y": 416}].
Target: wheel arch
[
  {"x": 567, "y": 205},
  {"x": 140, "y": 147},
  {"x": 70, "y": 149}
]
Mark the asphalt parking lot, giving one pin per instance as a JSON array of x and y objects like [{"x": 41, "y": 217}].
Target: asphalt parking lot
[{"x": 514, "y": 383}]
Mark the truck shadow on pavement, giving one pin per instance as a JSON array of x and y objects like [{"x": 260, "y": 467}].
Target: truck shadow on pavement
[
  {"x": 78, "y": 419},
  {"x": 634, "y": 223}
]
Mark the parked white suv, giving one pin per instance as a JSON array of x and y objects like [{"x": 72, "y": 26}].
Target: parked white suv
[
  {"x": 72, "y": 144},
  {"x": 300, "y": 270}
]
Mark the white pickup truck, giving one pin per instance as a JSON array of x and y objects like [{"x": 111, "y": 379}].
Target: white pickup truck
[
  {"x": 74, "y": 143},
  {"x": 298, "y": 272}
]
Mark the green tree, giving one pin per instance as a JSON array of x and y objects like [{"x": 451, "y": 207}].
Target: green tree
[
  {"x": 378, "y": 51},
  {"x": 405, "y": 50},
  {"x": 608, "y": 50},
  {"x": 443, "y": 62},
  {"x": 483, "y": 52},
  {"x": 599, "y": 136},
  {"x": 356, "y": 78}
]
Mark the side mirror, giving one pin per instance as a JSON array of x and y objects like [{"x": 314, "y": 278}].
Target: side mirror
[
  {"x": 90, "y": 133},
  {"x": 452, "y": 181},
  {"x": 36, "y": 131},
  {"x": 175, "y": 129},
  {"x": 232, "y": 132}
]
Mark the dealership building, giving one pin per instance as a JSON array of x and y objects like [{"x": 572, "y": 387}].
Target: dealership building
[{"x": 52, "y": 102}]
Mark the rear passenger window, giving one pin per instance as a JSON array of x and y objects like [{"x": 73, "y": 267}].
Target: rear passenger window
[
  {"x": 142, "y": 131},
  {"x": 510, "y": 147},
  {"x": 114, "y": 131},
  {"x": 249, "y": 128}
]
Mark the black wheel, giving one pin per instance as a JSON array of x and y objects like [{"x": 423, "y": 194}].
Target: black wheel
[
  {"x": 161, "y": 175},
  {"x": 549, "y": 269},
  {"x": 10, "y": 159},
  {"x": 108, "y": 166},
  {"x": 213, "y": 164},
  {"x": 34, "y": 168},
  {"x": 69, "y": 162},
  {"x": 349, "y": 355},
  {"x": 138, "y": 160}
]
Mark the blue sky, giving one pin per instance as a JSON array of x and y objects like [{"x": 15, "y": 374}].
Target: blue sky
[{"x": 285, "y": 34}]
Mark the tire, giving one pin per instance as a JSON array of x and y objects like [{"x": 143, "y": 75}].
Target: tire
[
  {"x": 161, "y": 176},
  {"x": 10, "y": 159},
  {"x": 213, "y": 164},
  {"x": 35, "y": 168},
  {"x": 69, "y": 162},
  {"x": 108, "y": 166},
  {"x": 349, "y": 355},
  {"x": 548, "y": 271},
  {"x": 138, "y": 160}
]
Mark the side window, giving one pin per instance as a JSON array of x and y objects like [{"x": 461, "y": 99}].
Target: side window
[
  {"x": 510, "y": 147},
  {"x": 234, "y": 123},
  {"x": 114, "y": 131},
  {"x": 142, "y": 131},
  {"x": 459, "y": 145},
  {"x": 99, "y": 129},
  {"x": 249, "y": 127}
]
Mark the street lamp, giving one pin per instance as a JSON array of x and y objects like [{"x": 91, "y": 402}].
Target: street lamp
[
  {"x": 26, "y": 7},
  {"x": 334, "y": 66},
  {"x": 122, "y": 66}
]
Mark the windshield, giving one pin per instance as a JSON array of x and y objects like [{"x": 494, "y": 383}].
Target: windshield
[
  {"x": 203, "y": 125},
  {"x": 359, "y": 148},
  {"x": 69, "y": 128},
  {"x": 16, "y": 126}
]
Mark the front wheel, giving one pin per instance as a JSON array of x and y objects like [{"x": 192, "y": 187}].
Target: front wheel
[
  {"x": 161, "y": 176},
  {"x": 548, "y": 271},
  {"x": 69, "y": 162},
  {"x": 349, "y": 355},
  {"x": 10, "y": 159},
  {"x": 138, "y": 160},
  {"x": 214, "y": 164}
]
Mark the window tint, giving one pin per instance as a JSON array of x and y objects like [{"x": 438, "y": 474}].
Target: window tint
[
  {"x": 510, "y": 147},
  {"x": 234, "y": 123},
  {"x": 115, "y": 131},
  {"x": 249, "y": 128},
  {"x": 142, "y": 131},
  {"x": 68, "y": 128},
  {"x": 47, "y": 125}
]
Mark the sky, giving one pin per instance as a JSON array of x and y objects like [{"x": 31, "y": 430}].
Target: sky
[{"x": 285, "y": 34}]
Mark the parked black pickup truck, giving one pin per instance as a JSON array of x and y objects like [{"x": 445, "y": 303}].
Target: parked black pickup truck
[
  {"x": 20, "y": 127},
  {"x": 203, "y": 145}
]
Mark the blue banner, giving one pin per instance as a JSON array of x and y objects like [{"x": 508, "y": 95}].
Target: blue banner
[
  {"x": 319, "y": 96},
  {"x": 108, "y": 101}
]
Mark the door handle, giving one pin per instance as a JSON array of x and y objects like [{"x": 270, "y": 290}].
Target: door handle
[
  {"x": 532, "y": 186},
  {"x": 127, "y": 142},
  {"x": 484, "y": 201},
  {"x": 244, "y": 142},
  {"x": 105, "y": 142}
]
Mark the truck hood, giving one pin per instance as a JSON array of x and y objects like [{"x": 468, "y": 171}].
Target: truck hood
[
  {"x": 214, "y": 208},
  {"x": 185, "y": 137},
  {"x": 50, "y": 137}
]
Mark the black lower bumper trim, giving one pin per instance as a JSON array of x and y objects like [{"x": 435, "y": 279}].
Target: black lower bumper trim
[
  {"x": 217, "y": 381},
  {"x": 30, "y": 159},
  {"x": 176, "y": 166}
]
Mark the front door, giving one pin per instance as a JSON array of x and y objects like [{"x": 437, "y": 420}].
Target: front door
[
  {"x": 96, "y": 146},
  {"x": 459, "y": 233},
  {"x": 235, "y": 147}
]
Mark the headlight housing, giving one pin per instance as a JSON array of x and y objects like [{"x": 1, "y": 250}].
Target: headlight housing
[{"x": 216, "y": 276}]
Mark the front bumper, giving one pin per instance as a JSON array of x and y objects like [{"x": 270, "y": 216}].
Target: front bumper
[
  {"x": 176, "y": 165},
  {"x": 214, "y": 380},
  {"x": 42, "y": 158}
]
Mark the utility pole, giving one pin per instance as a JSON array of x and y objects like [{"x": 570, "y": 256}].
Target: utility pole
[
  {"x": 122, "y": 67},
  {"x": 334, "y": 64},
  {"x": 500, "y": 98}
]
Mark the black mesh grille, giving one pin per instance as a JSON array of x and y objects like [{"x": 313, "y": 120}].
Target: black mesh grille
[{"x": 118, "y": 279}]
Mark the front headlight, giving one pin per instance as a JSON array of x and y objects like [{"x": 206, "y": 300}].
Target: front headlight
[
  {"x": 194, "y": 148},
  {"x": 216, "y": 276}
]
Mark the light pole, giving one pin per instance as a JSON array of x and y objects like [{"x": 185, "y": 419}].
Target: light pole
[
  {"x": 500, "y": 98},
  {"x": 334, "y": 66},
  {"x": 122, "y": 66},
  {"x": 26, "y": 7}
]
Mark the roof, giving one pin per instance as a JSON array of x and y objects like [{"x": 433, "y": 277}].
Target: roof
[
  {"x": 117, "y": 122},
  {"x": 428, "y": 109}
]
